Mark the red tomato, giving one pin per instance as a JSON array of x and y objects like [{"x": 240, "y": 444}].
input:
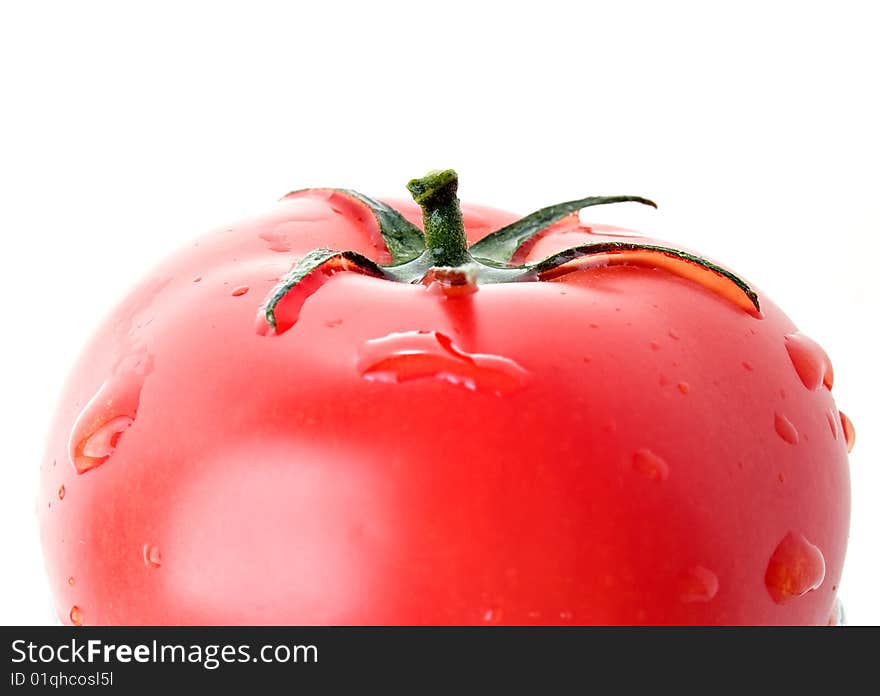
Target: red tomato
[{"x": 616, "y": 444}]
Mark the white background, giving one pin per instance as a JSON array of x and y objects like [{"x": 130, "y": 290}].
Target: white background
[{"x": 128, "y": 128}]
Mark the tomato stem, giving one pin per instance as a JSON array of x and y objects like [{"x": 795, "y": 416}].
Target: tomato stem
[{"x": 441, "y": 213}]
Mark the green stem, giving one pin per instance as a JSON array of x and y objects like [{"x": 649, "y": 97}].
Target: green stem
[{"x": 444, "y": 229}]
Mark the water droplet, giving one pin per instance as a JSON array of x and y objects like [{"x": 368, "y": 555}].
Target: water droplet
[
  {"x": 197, "y": 279},
  {"x": 837, "y": 617},
  {"x": 697, "y": 584},
  {"x": 152, "y": 556},
  {"x": 747, "y": 366},
  {"x": 810, "y": 362},
  {"x": 96, "y": 447},
  {"x": 849, "y": 431},
  {"x": 76, "y": 617},
  {"x": 832, "y": 422},
  {"x": 61, "y": 492},
  {"x": 795, "y": 568},
  {"x": 70, "y": 580},
  {"x": 650, "y": 465},
  {"x": 101, "y": 424},
  {"x": 333, "y": 323},
  {"x": 684, "y": 387},
  {"x": 240, "y": 290},
  {"x": 492, "y": 615},
  {"x": 414, "y": 355},
  {"x": 278, "y": 241},
  {"x": 565, "y": 616},
  {"x": 654, "y": 345},
  {"x": 594, "y": 325},
  {"x": 785, "y": 429},
  {"x": 673, "y": 334}
]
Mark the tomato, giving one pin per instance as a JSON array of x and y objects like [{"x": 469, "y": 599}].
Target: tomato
[{"x": 627, "y": 435}]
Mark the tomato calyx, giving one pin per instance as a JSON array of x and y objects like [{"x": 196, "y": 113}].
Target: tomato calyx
[{"x": 440, "y": 255}]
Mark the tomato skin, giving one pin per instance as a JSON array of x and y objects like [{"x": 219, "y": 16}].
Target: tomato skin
[{"x": 265, "y": 480}]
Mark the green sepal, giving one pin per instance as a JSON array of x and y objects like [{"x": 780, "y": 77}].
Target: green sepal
[
  {"x": 502, "y": 244},
  {"x": 403, "y": 239},
  {"x": 312, "y": 262},
  {"x": 597, "y": 248}
]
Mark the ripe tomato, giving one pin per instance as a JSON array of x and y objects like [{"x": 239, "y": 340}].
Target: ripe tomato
[{"x": 623, "y": 438}]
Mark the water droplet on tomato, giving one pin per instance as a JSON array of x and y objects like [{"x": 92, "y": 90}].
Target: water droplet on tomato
[
  {"x": 673, "y": 334},
  {"x": 240, "y": 290},
  {"x": 697, "y": 584},
  {"x": 333, "y": 323},
  {"x": 278, "y": 241},
  {"x": 96, "y": 448},
  {"x": 684, "y": 387},
  {"x": 152, "y": 556},
  {"x": 76, "y": 616},
  {"x": 747, "y": 366},
  {"x": 650, "y": 465},
  {"x": 197, "y": 279},
  {"x": 415, "y": 355},
  {"x": 61, "y": 492},
  {"x": 492, "y": 615},
  {"x": 810, "y": 362},
  {"x": 565, "y": 615},
  {"x": 849, "y": 431},
  {"x": 654, "y": 345},
  {"x": 785, "y": 429},
  {"x": 795, "y": 568},
  {"x": 832, "y": 422},
  {"x": 105, "y": 418},
  {"x": 70, "y": 580}
]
